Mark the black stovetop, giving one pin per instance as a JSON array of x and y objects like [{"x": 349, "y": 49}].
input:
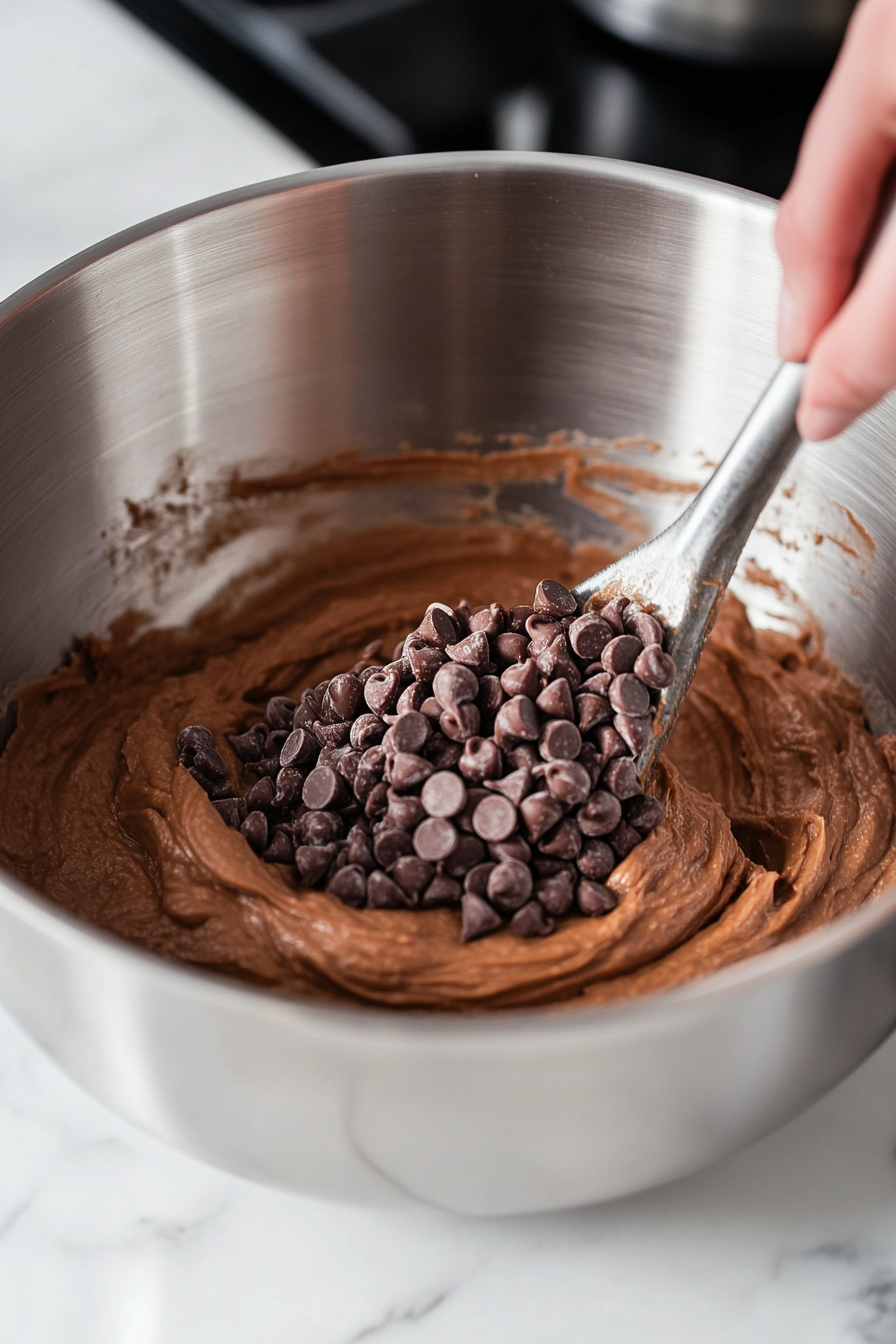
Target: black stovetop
[{"x": 350, "y": 79}]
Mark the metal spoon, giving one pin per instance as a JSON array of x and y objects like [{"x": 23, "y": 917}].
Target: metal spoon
[{"x": 683, "y": 573}]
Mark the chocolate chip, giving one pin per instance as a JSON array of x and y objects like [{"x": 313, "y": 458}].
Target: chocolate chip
[
  {"x": 194, "y": 737},
  {"x": 434, "y": 839},
  {"x": 477, "y": 917},
  {"x": 412, "y": 874},
  {"x": 621, "y": 654},
  {"x": 495, "y": 818},
  {"x": 323, "y": 788},
  {"x": 556, "y": 661},
  {"x": 442, "y": 890},
  {"x": 635, "y": 731},
  {"x": 300, "y": 748},
  {"x": 556, "y": 700},
  {"x": 594, "y": 900},
  {"x": 347, "y": 763},
  {"x": 441, "y": 753},
  {"x": 319, "y": 828},
  {"x": 404, "y": 811},
  {"x": 629, "y": 695},
  {"x": 522, "y": 756},
  {"x": 467, "y": 853},
  {"x": 430, "y": 707},
  {"x": 518, "y": 718},
  {"x": 455, "y": 685},
  {"x": 481, "y": 759},
  {"x": 532, "y": 922},
  {"x": 596, "y": 860},
  {"x": 655, "y": 668},
  {"x": 342, "y": 699},
  {"x": 269, "y": 767},
  {"x": 260, "y": 797},
  {"x": 612, "y": 613},
  {"x": 514, "y": 786},
  {"x": 514, "y": 847},
  {"x": 490, "y": 697},
  {"x": 313, "y": 861},
  {"x": 557, "y": 893},
  {"x": 381, "y": 691},
  {"x": 424, "y": 658},
  {"x": 568, "y": 782},
  {"x": 460, "y": 722},
  {"x": 563, "y": 842},
  {"x": 540, "y": 812},
  {"x": 592, "y": 710},
  {"x": 209, "y": 762},
  {"x": 281, "y": 849},
  {"x": 597, "y": 683},
  {"x": 332, "y": 734},
  {"x": 384, "y": 894},
  {"x": 509, "y": 885},
  {"x": 642, "y": 626},
  {"x": 476, "y": 879},
  {"x": 360, "y": 849},
  {"x": 413, "y": 697},
  {"x": 600, "y": 814},
  {"x": 621, "y": 778},
  {"x": 255, "y": 829},
  {"x": 279, "y": 712},
  {"x": 624, "y": 839},
  {"x": 644, "y": 813},
  {"x": 439, "y": 624},
  {"x": 542, "y": 630},
  {"x": 229, "y": 810},
  {"x": 589, "y": 635},
  {"x": 517, "y": 618},
  {"x": 471, "y": 651},
  {"x": 377, "y": 800},
  {"x": 491, "y": 620},
  {"x": 464, "y": 819},
  {"x": 610, "y": 744},
  {"x": 553, "y": 597},
  {"x": 350, "y": 885},
  {"x": 509, "y": 648},
  {"x": 248, "y": 746},
  {"x": 444, "y": 794},
  {"x": 368, "y": 672},
  {"x": 521, "y": 679},
  {"x": 589, "y": 757},
  {"x": 408, "y": 771},
  {"x": 389, "y": 845},
  {"x": 289, "y": 789},
  {"x": 559, "y": 741},
  {"x": 409, "y": 732}
]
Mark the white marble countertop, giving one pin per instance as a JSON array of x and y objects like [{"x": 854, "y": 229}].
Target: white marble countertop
[{"x": 107, "y": 1237}]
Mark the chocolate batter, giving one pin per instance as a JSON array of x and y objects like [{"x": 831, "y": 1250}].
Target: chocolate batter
[{"x": 780, "y": 805}]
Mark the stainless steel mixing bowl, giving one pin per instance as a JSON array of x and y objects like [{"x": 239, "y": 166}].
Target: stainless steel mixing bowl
[{"x": 355, "y": 308}]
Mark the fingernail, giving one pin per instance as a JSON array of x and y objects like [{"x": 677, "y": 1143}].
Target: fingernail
[
  {"x": 822, "y": 422},
  {"x": 787, "y": 325}
]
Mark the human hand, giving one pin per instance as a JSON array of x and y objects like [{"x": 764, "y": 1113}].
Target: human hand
[{"x": 826, "y": 214}]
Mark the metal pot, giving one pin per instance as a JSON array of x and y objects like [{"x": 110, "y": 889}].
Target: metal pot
[
  {"x": 366, "y": 304},
  {"x": 795, "y": 32}
]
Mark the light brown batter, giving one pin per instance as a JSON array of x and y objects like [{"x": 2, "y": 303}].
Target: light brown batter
[{"x": 780, "y": 805}]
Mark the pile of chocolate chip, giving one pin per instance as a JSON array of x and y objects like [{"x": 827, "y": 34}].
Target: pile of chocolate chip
[{"x": 490, "y": 766}]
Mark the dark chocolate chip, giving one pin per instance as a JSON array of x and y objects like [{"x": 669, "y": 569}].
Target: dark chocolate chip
[
  {"x": 460, "y": 722},
  {"x": 559, "y": 741},
  {"x": 642, "y": 626},
  {"x": 476, "y": 879},
  {"x": 381, "y": 691},
  {"x": 464, "y": 819},
  {"x": 255, "y": 829},
  {"x": 249, "y": 746},
  {"x": 342, "y": 699},
  {"x": 377, "y": 800},
  {"x": 444, "y": 794},
  {"x": 412, "y": 874},
  {"x": 596, "y": 860},
  {"x": 350, "y": 885},
  {"x": 629, "y": 695},
  {"x": 568, "y": 782},
  {"x": 532, "y": 921},
  {"x": 430, "y": 707},
  {"x": 360, "y": 849},
  {"x": 517, "y": 618},
  {"x": 518, "y": 718},
  {"x": 413, "y": 697},
  {"x": 289, "y": 789},
  {"x": 563, "y": 842},
  {"x": 313, "y": 861},
  {"x": 589, "y": 635},
  {"x": 495, "y": 818},
  {"x": 597, "y": 683},
  {"x": 280, "y": 711},
  {"x": 229, "y": 811},
  {"x": 269, "y": 767},
  {"x": 491, "y": 620},
  {"x": 442, "y": 890},
  {"x": 557, "y": 661},
  {"x": 600, "y": 814},
  {"x": 434, "y": 839},
  {"x": 655, "y": 668},
  {"x": 409, "y": 732},
  {"x": 553, "y": 597},
  {"x": 634, "y": 730},
  {"x": 324, "y": 788},
  {"x": 594, "y": 900},
  {"x": 621, "y": 654},
  {"x": 280, "y": 850},
  {"x": 424, "y": 658},
  {"x": 509, "y": 885},
  {"x": 522, "y": 756},
  {"x": 521, "y": 679},
  {"x": 260, "y": 797},
  {"x": 471, "y": 651},
  {"x": 477, "y": 917},
  {"x": 490, "y": 697},
  {"x": 514, "y": 786},
  {"x": 384, "y": 894},
  {"x": 540, "y": 812},
  {"x": 612, "y": 613},
  {"x": 332, "y": 734},
  {"x": 390, "y": 845},
  {"x": 409, "y": 771},
  {"x": 624, "y": 839},
  {"x": 439, "y": 624},
  {"x": 589, "y": 757},
  {"x": 480, "y": 760},
  {"x": 557, "y": 893},
  {"x": 455, "y": 685},
  {"x": 542, "y": 630},
  {"x": 621, "y": 778},
  {"x": 209, "y": 762},
  {"x": 193, "y": 737},
  {"x": 404, "y": 811},
  {"x": 442, "y": 753},
  {"x": 300, "y": 748},
  {"x": 509, "y": 648},
  {"x": 514, "y": 847},
  {"x": 644, "y": 813},
  {"x": 591, "y": 711},
  {"x": 610, "y": 744},
  {"x": 467, "y": 853},
  {"x": 319, "y": 828}
]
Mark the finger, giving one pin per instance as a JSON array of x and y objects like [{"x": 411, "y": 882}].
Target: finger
[
  {"x": 853, "y": 362},
  {"x": 829, "y": 207}
]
